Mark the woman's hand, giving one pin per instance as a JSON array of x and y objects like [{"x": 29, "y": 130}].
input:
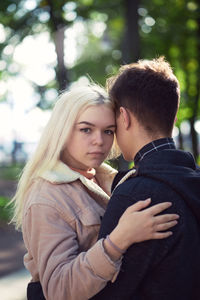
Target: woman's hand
[{"x": 136, "y": 226}]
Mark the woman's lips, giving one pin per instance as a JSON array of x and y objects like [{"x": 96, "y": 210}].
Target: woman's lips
[{"x": 96, "y": 153}]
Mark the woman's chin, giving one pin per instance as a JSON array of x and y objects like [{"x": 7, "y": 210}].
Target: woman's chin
[{"x": 96, "y": 164}]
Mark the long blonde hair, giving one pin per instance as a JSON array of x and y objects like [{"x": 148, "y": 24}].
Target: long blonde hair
[{"x": 54, "y": 138}]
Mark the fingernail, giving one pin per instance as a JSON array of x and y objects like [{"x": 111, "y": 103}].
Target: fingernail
[{"x": 148, "y": 199}]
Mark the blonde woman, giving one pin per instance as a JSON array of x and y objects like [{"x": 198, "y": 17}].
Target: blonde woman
[{"x": 62, "y": 196}]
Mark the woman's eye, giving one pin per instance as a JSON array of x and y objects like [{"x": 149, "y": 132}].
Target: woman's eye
[
  {"x": 109, "y": 132},
  {"x": 86, "y": 130}
]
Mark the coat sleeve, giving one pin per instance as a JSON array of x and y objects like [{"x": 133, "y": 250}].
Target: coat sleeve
[{"x": 64, "y": 273}]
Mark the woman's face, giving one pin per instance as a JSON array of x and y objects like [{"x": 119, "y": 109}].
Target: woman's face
[{"x": 91, "y": 138}]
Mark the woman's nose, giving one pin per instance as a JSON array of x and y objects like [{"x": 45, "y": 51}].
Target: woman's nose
[{"x": 98, "y": 138}]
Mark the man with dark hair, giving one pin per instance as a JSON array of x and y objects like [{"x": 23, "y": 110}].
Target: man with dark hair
[{"x": 146, "y": 99}]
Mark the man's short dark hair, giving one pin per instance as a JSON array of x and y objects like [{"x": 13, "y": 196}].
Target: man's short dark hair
[{"x": 150, "y": 90}]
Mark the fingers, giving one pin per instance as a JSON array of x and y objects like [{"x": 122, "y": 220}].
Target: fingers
[
  {"x": 139, "y": 205},
  {"x": 158, "y": 208},
  {"x": 165, "y": 226},
  {"x": 161, "y": 235},
  {"x": 166, "y": 218}
]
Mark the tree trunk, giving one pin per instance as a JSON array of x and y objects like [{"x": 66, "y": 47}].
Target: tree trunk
[
  {"x": 131, "y": 44},
  {"x": 194, "y": 137},
  {"x": 130, "y": 47},
  {"x": 180, "y": 139},
  {"x": 61, "y": 71},
  {"x": 59, "y": 36}
]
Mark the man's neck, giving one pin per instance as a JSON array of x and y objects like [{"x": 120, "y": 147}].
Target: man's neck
[{"x": 138, "y": 136}]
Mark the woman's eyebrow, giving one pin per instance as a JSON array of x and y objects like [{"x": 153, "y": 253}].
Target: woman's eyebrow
[
  {"x": 91, "y": 124},
  {"x": 86, "y": 123}
]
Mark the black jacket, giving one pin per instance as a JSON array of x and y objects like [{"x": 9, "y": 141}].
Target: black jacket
[{"x": 167, "y": 269}]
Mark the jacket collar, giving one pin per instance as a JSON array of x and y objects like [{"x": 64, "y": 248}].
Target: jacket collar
[
  {"x": 154, "y": 146},
  {"x": 130, "y": 173},
  {"x": 61, "y": 173}
]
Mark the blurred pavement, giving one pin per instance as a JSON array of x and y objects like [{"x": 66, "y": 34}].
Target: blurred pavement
[
  {"x": 13, "y": 276},
  {"x": 13, "y": 286}
]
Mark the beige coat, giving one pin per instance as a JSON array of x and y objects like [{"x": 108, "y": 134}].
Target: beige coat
[{"x": 61, "y": 221}]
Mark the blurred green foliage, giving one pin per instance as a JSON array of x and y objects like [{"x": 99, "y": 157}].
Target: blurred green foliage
[
  {"x": 5, "y": 211},
  {"x": 10, "y": 172}
]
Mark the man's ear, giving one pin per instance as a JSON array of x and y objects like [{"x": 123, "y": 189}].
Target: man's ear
[{"x": 125, "y": 115}]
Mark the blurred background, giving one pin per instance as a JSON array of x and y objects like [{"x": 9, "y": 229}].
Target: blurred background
[{"x": 47, "y": 46}]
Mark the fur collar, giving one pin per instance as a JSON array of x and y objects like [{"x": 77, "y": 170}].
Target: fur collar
[{"x": 61, "y": 173}]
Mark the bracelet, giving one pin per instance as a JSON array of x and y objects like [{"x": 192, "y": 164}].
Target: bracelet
[{"x": 114, "y": 246}]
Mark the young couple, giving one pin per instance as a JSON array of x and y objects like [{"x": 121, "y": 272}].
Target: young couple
[{"x": 64, "y": 190}]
